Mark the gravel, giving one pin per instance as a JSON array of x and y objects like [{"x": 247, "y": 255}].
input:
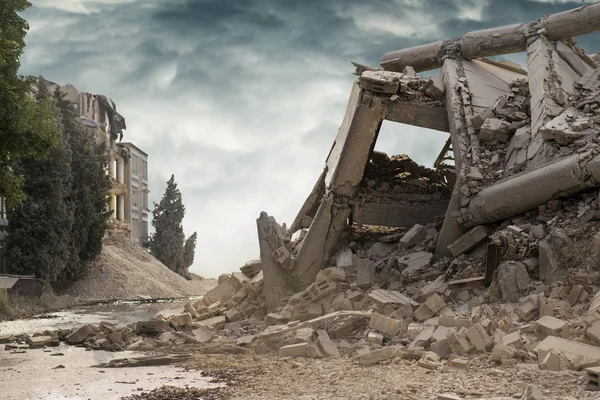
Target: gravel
[{"x": 125, "y": 271}]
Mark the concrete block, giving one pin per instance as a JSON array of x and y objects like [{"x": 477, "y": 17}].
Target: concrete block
[
  {"x": 414, "y": 329},
  {"x": 549, "y": 325},
  {"x": 274, "y": 319},
  {"x": 428, "y": 309},
  {"x": 494, "y": 129},
  {"x": 376, "y": 356},
  {"x": 375, "y": 337},
  {"x": 414, "y": 262},
  {"x": 343, "y": 329},
  {"x": 365, "y": 270},
  {"x": 424, "y": 337},
  {"x": 404, "y": 311},
  {"x": 441, "y": 348},
  {"x": 321, "y": 346},
  {"x": 79, "y": 335},
  {"x": 500, "y": 352},
  {"x": 568, "y": 347},
  {"x": 479, "y": 337},
  {"x": 384, "y": 297},
  {"x": 459, "y": 344},
  {"x": 153, "y": 327},
  {"x": 415, "y": 235},
  {"x": 215, "y": 322},
  {"x": 551, "y": 361},
  {"x": 593, "y": 332},
  {"x": 182, "y": 319},
  {"x": 203, "y": 334},
  {"x": 37, "y": 342},
  {"x": 294, "y": 350},
  {"x": 468, "y": 241},
  {"x": 233, "y": 315},
  {"x": 593, "y": 377},
  {"x": 447, "y": 321},
  {"x": 387, "y": 326},
  {"x": 459, "y": 363}
]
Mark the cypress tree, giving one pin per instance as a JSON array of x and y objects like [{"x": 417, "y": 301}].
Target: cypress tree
[{"x": 167, "y": 243}]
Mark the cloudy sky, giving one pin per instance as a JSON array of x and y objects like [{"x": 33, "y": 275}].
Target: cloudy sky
[{"x": 241, "y": 99}]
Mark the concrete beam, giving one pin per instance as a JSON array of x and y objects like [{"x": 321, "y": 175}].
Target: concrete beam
[
  {"x": 276, "y": 282},
  {"x": 496, "y": 41},
  {"x": 556, "y": 179},
  {"x": 395, "y": 215},
  {"x": 417, "y": 114}
]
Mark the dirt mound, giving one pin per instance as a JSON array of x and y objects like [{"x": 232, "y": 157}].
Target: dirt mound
[{"x": 124, "y": 270}]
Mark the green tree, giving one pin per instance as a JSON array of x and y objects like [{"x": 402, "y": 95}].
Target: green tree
[
  {"x": 88, "y": 201},
  {"x": 189, "y": 250},
  {"x": 57, "y": 230},
  {"x": 27, "y": 125},
  {"x": 167, "y": 243}
]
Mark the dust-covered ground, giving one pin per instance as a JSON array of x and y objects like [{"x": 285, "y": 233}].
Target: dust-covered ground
[{"x": 252, "y": 376}]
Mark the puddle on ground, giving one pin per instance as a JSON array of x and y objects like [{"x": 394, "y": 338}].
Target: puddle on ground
[
  {"x": 116, "y": 313},
  {"x": 34, "y": 376}
]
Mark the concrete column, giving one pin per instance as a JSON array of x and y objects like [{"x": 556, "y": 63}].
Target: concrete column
[
  {"x": 112, "y": 205},
  {"x": 121, "y": 208},
  {"x": 111, "y": 165},
  {"x": 556, "y": 179},
  {"x": 120, "y": 170}
]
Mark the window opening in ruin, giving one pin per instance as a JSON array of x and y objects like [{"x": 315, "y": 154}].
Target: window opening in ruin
[{"x": 400, "y": 186}]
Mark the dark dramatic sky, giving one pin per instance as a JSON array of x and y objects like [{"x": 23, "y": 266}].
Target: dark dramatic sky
[{"x": 241, "y": 99}]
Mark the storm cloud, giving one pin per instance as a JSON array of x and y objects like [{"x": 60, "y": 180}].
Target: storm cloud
[{"x": 241, "y": 99}]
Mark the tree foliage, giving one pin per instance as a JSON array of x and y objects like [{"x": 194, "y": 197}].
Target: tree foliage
[
  {"x": 168, "y": 243},
  {"x": 57, "y": 230},
  {"x": 27, "y": 126}
]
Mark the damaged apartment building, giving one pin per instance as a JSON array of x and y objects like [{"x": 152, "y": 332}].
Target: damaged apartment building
[
  {"x": 127, "y": 163},
  {"x": 127, "y": 167}
]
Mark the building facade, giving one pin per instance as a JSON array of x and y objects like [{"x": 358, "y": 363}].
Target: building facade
[{"x": 136, "y": 199}]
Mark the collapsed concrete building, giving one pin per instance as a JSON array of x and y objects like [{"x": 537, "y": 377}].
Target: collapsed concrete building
[{"x": 531, "y": 133}]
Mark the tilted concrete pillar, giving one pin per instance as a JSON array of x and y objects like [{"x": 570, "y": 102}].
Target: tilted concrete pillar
[
  {"x": 451, "y": 230},
  {"x": 276, "y": 282},
  {"x": 345, "y": 168},
  {"x": 528, "y": 190}
]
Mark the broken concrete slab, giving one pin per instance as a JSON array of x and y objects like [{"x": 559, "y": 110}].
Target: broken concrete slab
[
  {"x": 415, "y": 235},
  {"x": 387, "y": 326},
  {"x": 468, "y": 241},
  {"x": 376, "y": 356},
  {"x": 513, "y": 278}
]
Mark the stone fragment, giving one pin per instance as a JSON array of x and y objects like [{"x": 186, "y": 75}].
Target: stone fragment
[
  {"x": 294, "y": 350},
  {"x": 375, "y": 337},
  {"x": 376, "y": 356},
  {"x": 468, "y": 241},
  {"x": 435, "y": 88},
  {"x": 429, "y": 308},
  {"x": 532, "y": 393},
  {"x": 415, "y": 235},
  {"x": 387, "y": 326},
  {"x": 551, "y": 361},
  {"x": 36, "y": 342},
  {"x": 554, "y": 256},
  {"x": 494, "y": 129},
  {"x": 593, "y": 332},
  {"x": 479, "y": 337},
  {"x": 500, "y": 352},
  {"x": 203, "y": 334},
  {"x": 549, "y": 325},
  {"x": 321, "y": 346},
  {"x": 274, "y": 319},
  {"x": 512, "y": 278},
  {"x": 414, "y": 262},
  {"x": 153, "y": 327},
  {"x": 365, "y": 270},
  {"x": 80, "y": 334}
]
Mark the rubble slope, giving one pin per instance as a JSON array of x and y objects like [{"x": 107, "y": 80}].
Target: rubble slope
[{"x": 126, "y": 271}]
